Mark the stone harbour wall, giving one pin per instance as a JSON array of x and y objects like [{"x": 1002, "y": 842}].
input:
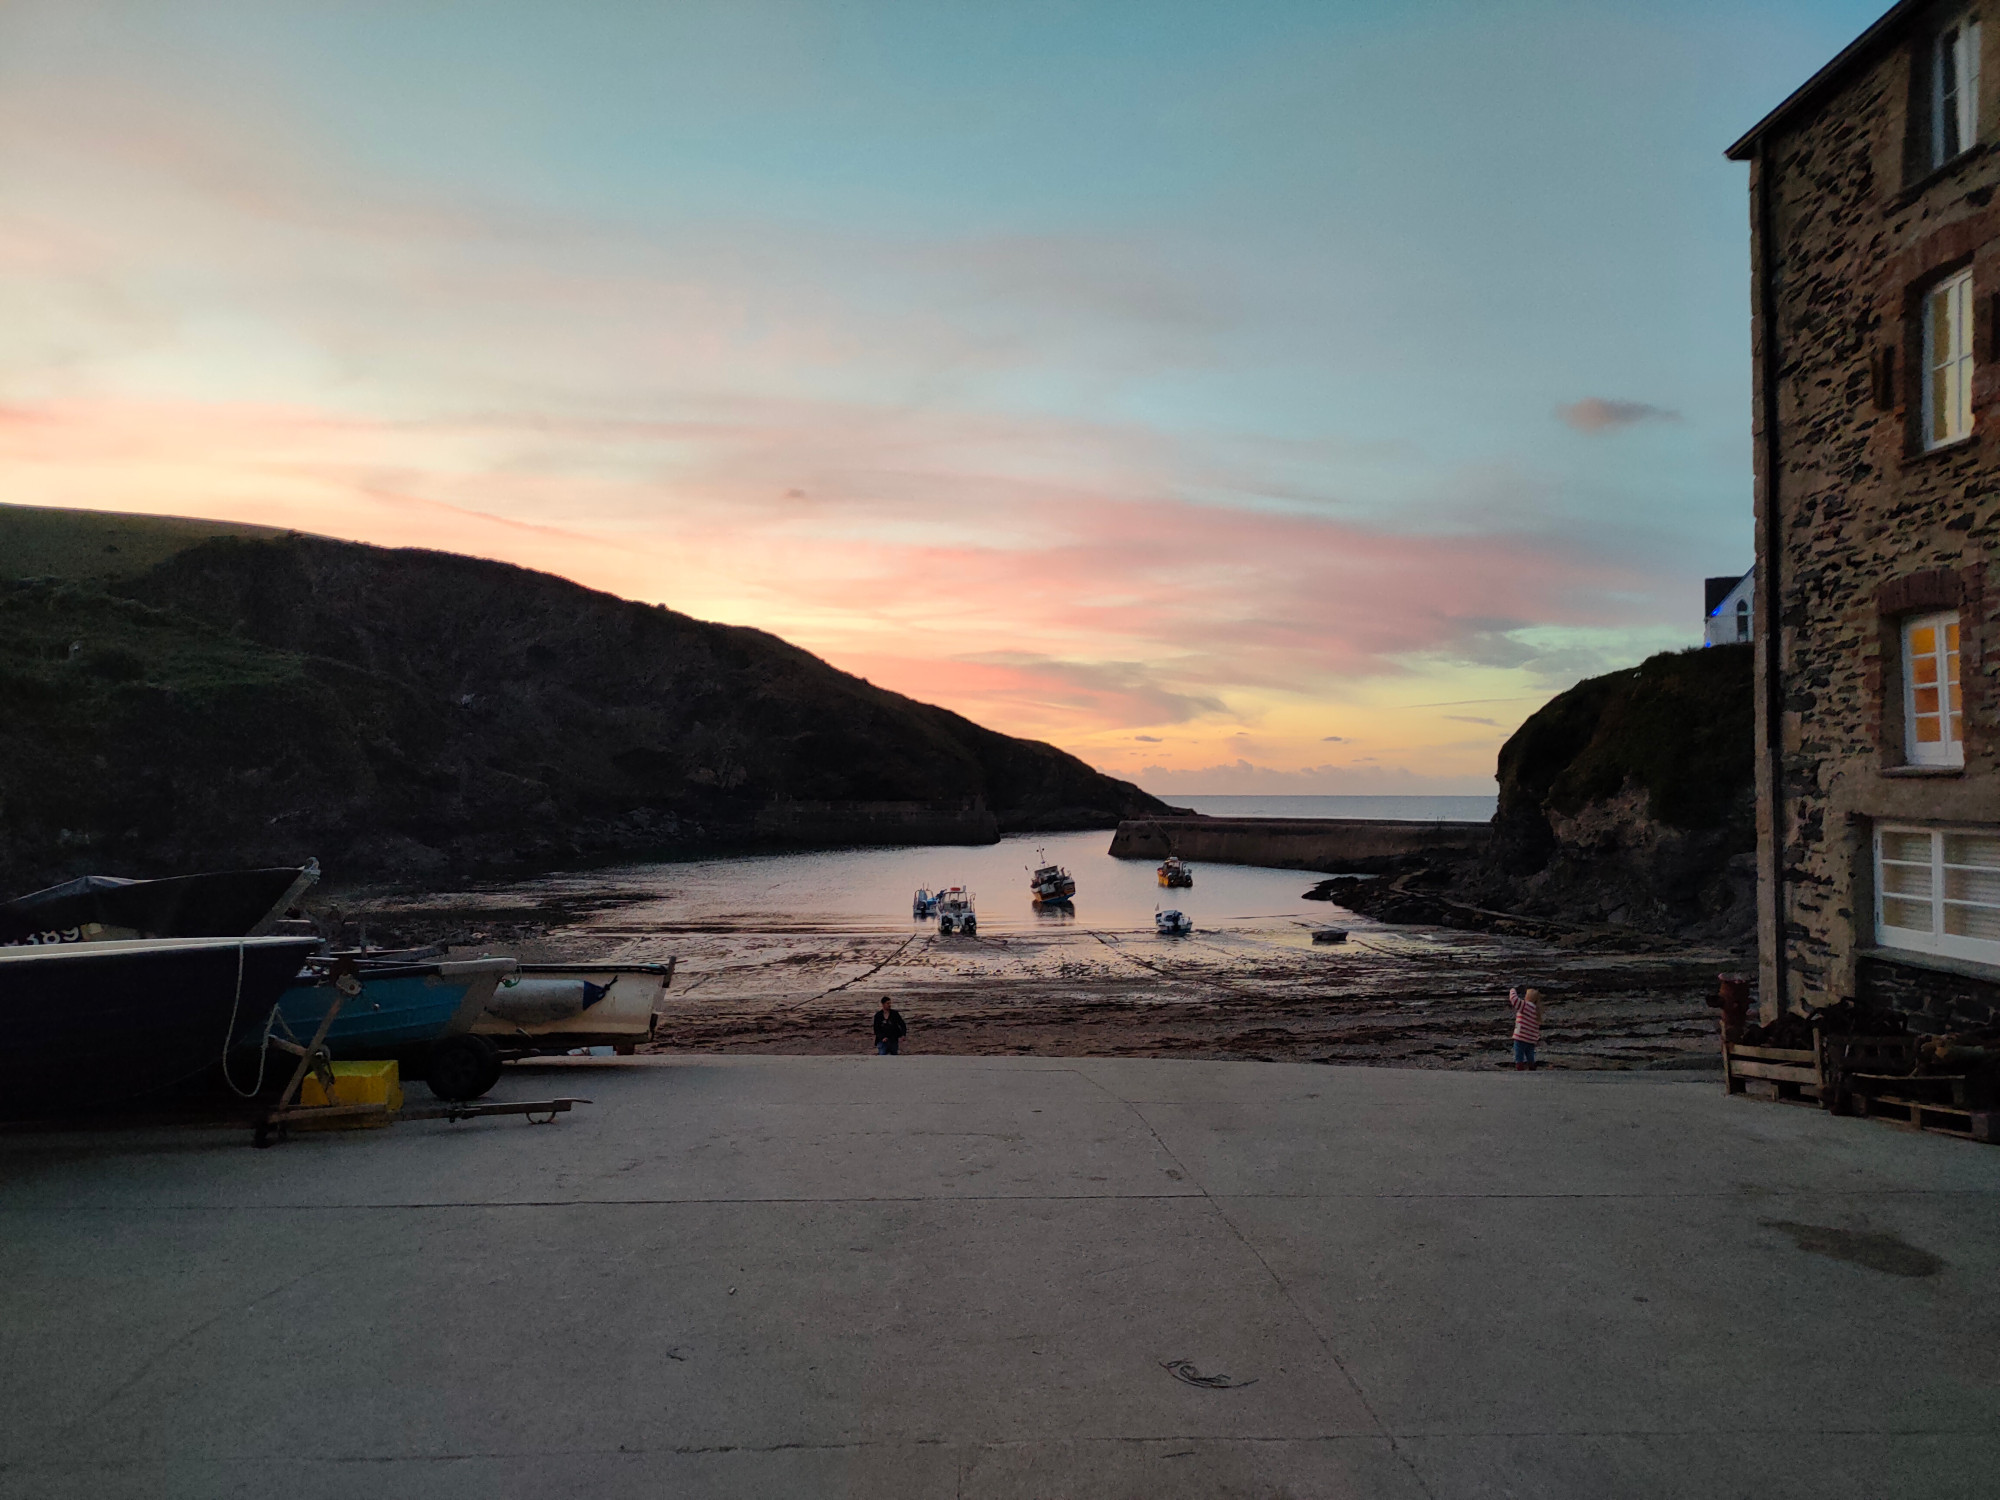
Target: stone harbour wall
[{"x": 1330, "y": 845}]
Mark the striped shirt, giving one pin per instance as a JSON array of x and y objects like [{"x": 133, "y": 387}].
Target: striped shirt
[{"x": 1527, "y": 1017}]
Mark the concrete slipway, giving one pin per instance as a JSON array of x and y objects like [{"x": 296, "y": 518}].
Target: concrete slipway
[{"x": 961, "y": 1277}]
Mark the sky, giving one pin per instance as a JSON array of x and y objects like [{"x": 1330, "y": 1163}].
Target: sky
[{"x": 1247, "y": 397}]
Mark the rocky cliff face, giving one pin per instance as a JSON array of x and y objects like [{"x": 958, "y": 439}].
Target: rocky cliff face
[
  {"x": 1630, "y": 800},
  {"x": 257, "y": 700},
  {"x": 1627, "y": 802}
]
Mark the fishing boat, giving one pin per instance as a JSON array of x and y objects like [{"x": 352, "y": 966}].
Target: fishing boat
[
  {"x": 1171, "y": 923},
  {"x": 955, "y": 913},
  {"x": 108, "y": 908},
  {"x": 923, "y": 903},
  {"x": 115, "y": 1021},
  {"x": 1173, "y": 873},
  {"x": 1050, "y": 882},
  {"x": 560, "y": 1007}
]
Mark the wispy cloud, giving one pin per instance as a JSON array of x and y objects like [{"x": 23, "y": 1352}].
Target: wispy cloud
[
  {"x": 1469, "y": 719},
  {"x": 1597, "y": 414}
]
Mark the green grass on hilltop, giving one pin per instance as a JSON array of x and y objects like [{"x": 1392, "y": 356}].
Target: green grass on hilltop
[{"x": 95, "y": 546}]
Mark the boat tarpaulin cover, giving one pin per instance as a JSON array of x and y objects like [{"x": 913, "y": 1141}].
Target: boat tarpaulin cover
[{"x": 226, "y": 903}]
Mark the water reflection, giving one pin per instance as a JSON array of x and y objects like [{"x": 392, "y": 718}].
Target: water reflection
[{"x": 869, "y": 890}]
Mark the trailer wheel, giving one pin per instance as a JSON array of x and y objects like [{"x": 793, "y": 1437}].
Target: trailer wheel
[{"x": 462, "y": 1067}]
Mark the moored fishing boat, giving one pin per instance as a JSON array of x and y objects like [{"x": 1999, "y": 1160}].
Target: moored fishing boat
[
  {"x": 955, "y": 912},
  {"x": 89, "y": 1024},
  {"x": 1173, "y": 873},
  {"x": 1050, "y": 882}
]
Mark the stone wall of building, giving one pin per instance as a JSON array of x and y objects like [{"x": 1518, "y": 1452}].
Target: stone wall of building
[{"x": 1868, "y": 524}]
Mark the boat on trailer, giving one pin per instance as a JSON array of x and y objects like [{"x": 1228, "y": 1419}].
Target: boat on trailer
[
  {"x": 1173, "y": 873},
  {"x": 924, "y": 903},
  {"x": 1050, "y": 883},
  {"x": 1172, "y": 923},
  {"x": 560, "y": 1007}
]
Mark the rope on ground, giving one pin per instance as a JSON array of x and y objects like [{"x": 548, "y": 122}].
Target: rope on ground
[{"x": 1185, "y": 1372}]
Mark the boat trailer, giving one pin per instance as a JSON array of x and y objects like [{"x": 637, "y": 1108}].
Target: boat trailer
[{"x": 315, "y": 1061}]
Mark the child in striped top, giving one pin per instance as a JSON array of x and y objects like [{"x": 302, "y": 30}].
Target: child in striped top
[{"x": 1527, "y": 1010}]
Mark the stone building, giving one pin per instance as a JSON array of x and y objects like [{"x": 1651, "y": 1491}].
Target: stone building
[{"x": 1876, "y": 311}]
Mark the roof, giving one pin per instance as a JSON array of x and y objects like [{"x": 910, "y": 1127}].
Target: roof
[
  {"x": 1719, "y": 589},
  {"x": 1863, "y": 49}
]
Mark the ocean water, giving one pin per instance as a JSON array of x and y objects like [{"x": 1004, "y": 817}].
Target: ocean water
[
  {"x": 869, "y": 890},
  {"x": 1450, "y": 809}
]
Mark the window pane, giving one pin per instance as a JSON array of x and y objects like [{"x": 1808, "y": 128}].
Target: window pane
[
  {"x": 1972, "y": 921},
  {"x": 1927, "y": 700},
  {"x": 1908, "y": 846},
  {"x": 1907, "y": 880},
  {"x": 1929, "y": 732},
  {"x": 1982, "y": 886},
  {"x": 1906, "y": 916},
  {"x": 1957, "y": 735},
  {"x": 1981, "y": 850}
]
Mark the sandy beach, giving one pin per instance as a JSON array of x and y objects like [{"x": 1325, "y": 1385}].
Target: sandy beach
[{"x": 1255, "y": 987}]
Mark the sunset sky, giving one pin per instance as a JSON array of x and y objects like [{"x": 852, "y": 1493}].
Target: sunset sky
[{"x": 1248, "y": 397}]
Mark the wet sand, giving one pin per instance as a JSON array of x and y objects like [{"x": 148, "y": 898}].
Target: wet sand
[{"x": 1251, "y": 988}]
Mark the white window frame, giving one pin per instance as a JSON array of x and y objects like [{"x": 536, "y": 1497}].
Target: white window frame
[
  {"x": 1955, "y": 90},
  {"x": 1941, "y": 886},
  {"x": 1742, "y": 619},
  {"x": 1947, "y": 315},
  {"x": 1949, "y": 748}
]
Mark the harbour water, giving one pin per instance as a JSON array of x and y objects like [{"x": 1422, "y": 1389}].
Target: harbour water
[{"x": 867, "y": 891}]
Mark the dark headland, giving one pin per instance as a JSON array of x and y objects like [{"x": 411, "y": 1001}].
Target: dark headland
[{"x": 177, "y": 695}]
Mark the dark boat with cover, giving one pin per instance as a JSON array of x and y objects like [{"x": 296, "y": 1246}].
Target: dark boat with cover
[
  {"x": 93, "y": 1024},
  {"x": 94, "y": 908}
]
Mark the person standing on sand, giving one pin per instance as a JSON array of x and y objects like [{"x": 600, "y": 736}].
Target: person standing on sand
[
  {"x": 1527, "y": 1010},
  {"x": 889, "y": 1030}
]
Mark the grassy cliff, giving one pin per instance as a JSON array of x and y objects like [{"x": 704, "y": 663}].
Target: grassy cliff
[{"x": 176, "y": 694}]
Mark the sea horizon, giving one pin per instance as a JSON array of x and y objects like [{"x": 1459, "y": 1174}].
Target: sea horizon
[{"x": 1460, "y": 808}]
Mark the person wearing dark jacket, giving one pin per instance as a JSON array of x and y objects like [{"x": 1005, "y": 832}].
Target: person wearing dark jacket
[{"x": 889, "y": 1030}]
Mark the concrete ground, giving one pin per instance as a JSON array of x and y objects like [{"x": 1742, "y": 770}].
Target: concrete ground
[{"x": 967, "y": 1277}]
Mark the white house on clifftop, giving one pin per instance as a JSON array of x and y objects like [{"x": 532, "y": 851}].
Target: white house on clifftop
[{"x": 1729, "y": 604}]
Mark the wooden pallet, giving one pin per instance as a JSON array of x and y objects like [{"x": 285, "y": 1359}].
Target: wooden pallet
[
  {"x": 1790, "y": 1075},
  {"x": 1925, "y": 1114}
]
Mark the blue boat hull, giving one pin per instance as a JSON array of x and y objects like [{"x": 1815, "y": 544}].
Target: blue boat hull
[{"x": 391, "y": 1014}]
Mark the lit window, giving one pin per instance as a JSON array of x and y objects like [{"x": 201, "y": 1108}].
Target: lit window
[
  {"x": 1954, "y": 91},
  {"x": 1933, "y": 719},
  {"x": 1938, "y": 891},
  {"x": 1948, "y": 360}
]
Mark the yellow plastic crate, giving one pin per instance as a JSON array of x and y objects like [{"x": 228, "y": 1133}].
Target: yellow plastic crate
[{"x": 353, "y": 1083}]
